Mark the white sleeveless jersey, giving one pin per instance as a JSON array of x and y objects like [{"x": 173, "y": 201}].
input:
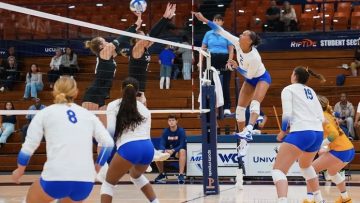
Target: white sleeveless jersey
[
  {"x": 141, "y": 132},
  {"x": 301, "y": 108},
  {"x": 250, "y": 63},
  {"x": 69, "y": 131}
]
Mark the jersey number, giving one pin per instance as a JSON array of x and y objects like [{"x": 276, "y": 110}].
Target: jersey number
[
  {"x": 72, "y": 116},
  {"x": 308, "y": 94}
]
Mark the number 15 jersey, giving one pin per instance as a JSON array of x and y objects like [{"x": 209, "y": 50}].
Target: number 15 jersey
[
  {"x": 69, "y": 131},
  {"x": 301, "y": 108}
]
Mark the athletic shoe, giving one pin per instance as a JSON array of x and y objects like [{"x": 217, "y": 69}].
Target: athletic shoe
[
  {"x": 160, "y": 156},
  {"x": 341, "y": 200},
  {"x": 149, "y": 169},
  {"x": 181, "y": 179},
  {"x": 161, "y": 178},
  {"x": 308, "y": 201},
  {"x": 245, "y": 134},
  {"x": 227, "y": 112}
]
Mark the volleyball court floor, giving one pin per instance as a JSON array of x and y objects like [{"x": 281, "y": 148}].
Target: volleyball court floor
[{"x": 192, "y": 193}]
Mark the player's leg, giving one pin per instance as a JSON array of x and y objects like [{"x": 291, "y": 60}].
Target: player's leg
[
  {"x": 141, "y": 182},
  {"x": 36, "y": 194},
  {"x": 287, "y": 155},
  {"x": 245, "y": 96}
]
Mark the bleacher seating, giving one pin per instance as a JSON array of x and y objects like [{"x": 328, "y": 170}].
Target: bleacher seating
[{"x": 323, "y": 62}]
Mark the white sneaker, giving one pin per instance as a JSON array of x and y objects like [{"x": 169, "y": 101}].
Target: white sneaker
[
  {"x": 2, "y": 89},
  {"x": 227, "y": 112},
  {"x": 245, "y": 134},
  {"x": 101, "y": 176},
  {"x": 149, "y": 169},
  {"x": 160, "y": 156}
]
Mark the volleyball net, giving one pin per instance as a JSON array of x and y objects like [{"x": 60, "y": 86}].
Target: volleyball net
[{"x": 38, "y": 32}]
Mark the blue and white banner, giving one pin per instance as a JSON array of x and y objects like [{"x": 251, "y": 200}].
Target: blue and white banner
[
  {"x": 258, "y": 161},
  {"x": 314, "y": 41}
]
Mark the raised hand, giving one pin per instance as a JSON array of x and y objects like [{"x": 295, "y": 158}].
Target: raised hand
[
  {"x": 200, "y": 17},
  {"x": 138, "y": 21},
  {"x": 167, "y": 11}
]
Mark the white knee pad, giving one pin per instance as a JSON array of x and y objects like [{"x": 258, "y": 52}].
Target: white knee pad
[
  {"x": 107, "y": 188},
  {"x": 140, "y": 182},
  {"x": 240, "y": 114},
  {"x": 277, "y": 175},
  {"x": 337, "y": 179},
  {"x": 309, "y": 173},
  {"x": 255, "y": 107}
]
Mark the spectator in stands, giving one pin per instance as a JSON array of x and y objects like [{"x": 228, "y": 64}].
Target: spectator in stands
[
  {"x": 166, "y": 60},
  {"x": 10, "y": 52},
  {"x": 7, "y": 124},
  {"x": 273, "y": 23},
  {"x": 11, "y": 74},
  {"x": 288, "y": 17},
  {"x": 345, "y": 110},
  {"x": 357, "y": 121},
  {"x": 29, "y": 117},
  {"x": 34, "y": 82},
  {"x": 55, "y": 63},
  {"x": 173, "y": 141},
  {"x": 69, "y": 63},
  {"x": 187, "y": 59},
  {"x": 176, "y": 67},
  {"x": 221, "y": 51},
  {"x": 260, "y": 122},
  {"x": 356, "y": 64}
]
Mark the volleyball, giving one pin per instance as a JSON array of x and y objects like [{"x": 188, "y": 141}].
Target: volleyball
[{"x": 138, "y": 6}]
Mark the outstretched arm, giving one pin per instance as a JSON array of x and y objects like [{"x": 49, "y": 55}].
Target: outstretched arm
[
  {"x": 234, "y": 40},
  {"x": 140, "y": 46}
]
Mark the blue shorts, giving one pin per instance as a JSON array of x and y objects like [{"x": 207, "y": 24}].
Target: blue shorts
[
  {"x": 264, "y": 77},
  {"x": 139, "y": 152},
  {"x": 345, "y": 156},
  {"x": 75, "y": 190},
  {"x": 307, "y": 141}
]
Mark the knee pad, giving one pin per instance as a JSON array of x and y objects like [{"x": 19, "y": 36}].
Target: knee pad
[
  {"x": 337, "y": 179},
  {"x": 107, "y": 188},
  {"x": 140, "y": 182},
  {"x": 309, "y": 173},
  {"x": 277, "y": 175},
  {"x": 240, "y": 114},
  {"x": 255, "y": 107}
]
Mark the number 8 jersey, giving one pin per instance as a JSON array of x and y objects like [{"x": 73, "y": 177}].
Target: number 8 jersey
[
  {"x": 69, "y": 131},
  {"x": 301, "y": 108}
]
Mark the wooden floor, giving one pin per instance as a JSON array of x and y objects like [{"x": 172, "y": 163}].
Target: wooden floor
[{"x": 188, "y": 193}]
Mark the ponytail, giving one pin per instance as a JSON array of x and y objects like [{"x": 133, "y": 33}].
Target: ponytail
[
  {"x": 94, "y": 45},
  {"x": 65, "y": 90},
  {"x": 316, "y": 75},
  {"x": 128, "y": 117}
]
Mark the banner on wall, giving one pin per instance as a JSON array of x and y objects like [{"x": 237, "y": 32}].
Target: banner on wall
[
  {"x": 303, "y": 42},
  {"x": 270, "y": 42},
  {"x": 258, "y": 161}
]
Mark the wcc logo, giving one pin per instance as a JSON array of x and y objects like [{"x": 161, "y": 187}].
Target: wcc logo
[
  {"x": 229, "y": 158},
  {"x": 304, "y": 43},
  {"x": 196, "y": 159}
]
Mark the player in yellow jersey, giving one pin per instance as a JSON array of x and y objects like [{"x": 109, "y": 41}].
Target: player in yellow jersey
[{"x": 336, "y": 152}]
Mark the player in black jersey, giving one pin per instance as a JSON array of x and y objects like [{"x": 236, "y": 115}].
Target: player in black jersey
[
  {"x": 96, "y": 93},
  {"x": 139, "y": 56}
]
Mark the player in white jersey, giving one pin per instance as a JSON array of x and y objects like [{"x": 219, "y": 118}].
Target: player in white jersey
[
  {"x": 249, "y": 64},
  {"x": 69, "y": 172},
  {"x": 130, "y": 122},
  {"x": 303, "y": 113}
]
